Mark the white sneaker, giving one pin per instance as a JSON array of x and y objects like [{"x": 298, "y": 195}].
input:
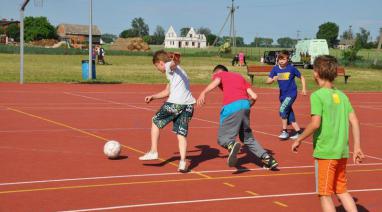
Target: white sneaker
[
  {"x": 295, "y": 136},
  {"x": 149, "y": 156},
  {"x": 182, "y": 166},
  {"x": 284, "y": 135}
]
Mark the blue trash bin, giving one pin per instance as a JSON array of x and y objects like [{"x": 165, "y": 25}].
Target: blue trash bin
[{"x": 85, "y": 69}]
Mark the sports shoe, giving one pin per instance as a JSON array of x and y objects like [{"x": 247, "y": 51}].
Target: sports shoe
[
  {"x": 284, "y": 135},
  {"x": 182, "y": 166},
  {"x": 233, "y": 148},
  {"x": 295, "y": 136},
  {"x": 269, "y": 162},
  {"x": 149, "y": 156}
]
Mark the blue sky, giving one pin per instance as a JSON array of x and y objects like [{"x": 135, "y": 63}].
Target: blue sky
[{"x": 264, "y": 18}]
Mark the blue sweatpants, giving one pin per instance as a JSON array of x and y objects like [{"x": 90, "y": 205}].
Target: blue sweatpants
[{"x": 286, "y": 110}]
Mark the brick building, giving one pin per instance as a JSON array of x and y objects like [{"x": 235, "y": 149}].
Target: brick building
[
  {"x": 78, "y": 35},
  {"x": 4, "y": 24}
]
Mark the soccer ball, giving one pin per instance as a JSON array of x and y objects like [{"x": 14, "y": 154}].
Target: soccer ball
[{"x": 112, "y": 149}]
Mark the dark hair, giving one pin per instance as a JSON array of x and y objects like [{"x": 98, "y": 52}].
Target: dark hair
[
  {"x": 220, "y": 67},
  {"x": 326, "y": 67},
  {"x": 284, "y": 54},
  {"x": 161, "y": 55}
]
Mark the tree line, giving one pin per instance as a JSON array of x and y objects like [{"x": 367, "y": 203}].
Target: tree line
[{"x": 37, "y": 28}]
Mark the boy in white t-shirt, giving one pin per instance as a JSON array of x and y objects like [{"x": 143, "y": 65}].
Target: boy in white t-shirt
[{"x": 178, "y": 108}]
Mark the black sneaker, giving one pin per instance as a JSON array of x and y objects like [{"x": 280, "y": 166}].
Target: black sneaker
[
  {"x": 233, "y": 149},
  {"x": 269, "y": 162}
]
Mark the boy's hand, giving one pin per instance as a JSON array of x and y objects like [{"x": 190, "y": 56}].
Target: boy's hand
[
  {"x": 201, "y": 99},
  {"x": 148, "y": 99},
  {"x": 252, "y": 101},
  {"x": 275, "y": 78},
  {"x": 303, "y": 92},
  {"x": 358, "y": 156},
  {"x": 173, "y": 65},
  {"x": 296, "y": 144}
]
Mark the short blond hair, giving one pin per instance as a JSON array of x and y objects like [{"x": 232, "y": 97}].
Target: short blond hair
[{"x": 326, "y": 67}]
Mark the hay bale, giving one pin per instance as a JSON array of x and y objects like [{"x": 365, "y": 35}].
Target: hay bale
[
  {"x": 44, "y": 42},
  {"x": 130, "y": 44}
]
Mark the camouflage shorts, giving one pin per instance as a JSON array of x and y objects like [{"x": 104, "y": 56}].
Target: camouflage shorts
[{"x": 180, "y": 115}]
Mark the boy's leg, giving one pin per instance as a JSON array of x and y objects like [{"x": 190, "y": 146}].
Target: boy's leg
[
  {"x": 284, "y": 123},
  {"x": 153, "y": 153},
  {"x": 182, "y": 146},
  {"x": 347, "y": 201},
  {"x": 341, "y": 186},
  {"x": 246, "y": 136},
  {"x": 160, "y": 120},
  {"x": 327, "y": 204},
  {"x": 228, "y": 130},
  {"x": 181, "y": 129},
  {"x": 295, "y": 126},
  {"x": 286, "y": 114},
  {"x": 330, "y": 179},
  {"x": 154, "y": 138}
]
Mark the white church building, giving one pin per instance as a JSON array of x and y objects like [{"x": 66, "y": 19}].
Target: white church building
[{"x": 192, "y": 39}]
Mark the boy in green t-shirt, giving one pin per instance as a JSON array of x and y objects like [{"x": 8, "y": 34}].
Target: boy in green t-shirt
[{"x": 331, "y": 113}]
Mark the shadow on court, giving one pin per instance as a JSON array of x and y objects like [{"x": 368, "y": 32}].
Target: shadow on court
[
  {"x": 206, "y": 153},
  {"x": 360, "y": 208}
]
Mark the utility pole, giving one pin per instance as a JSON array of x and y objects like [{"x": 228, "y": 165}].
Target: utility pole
[
  {"x": 379, "y": 46},
  {"x": 298, "y": 35},
  {"x": 232, "y": 30},
  {"x": 90, "y": 65},
  {"x": 22, "y": 9}
]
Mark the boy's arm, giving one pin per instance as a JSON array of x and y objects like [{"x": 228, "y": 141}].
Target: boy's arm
[
  {"x": 201, "y": 99},
  {"x": 303, "y": 83},
  {"x": 271, "y": 80},
  {"x": 272, "y": 77},
  {"x": 357, "y": 152},
  {"x": 309, "y": 130},
  {"x": 252, "y": 96},
  {"x": 160, "y": 95}
]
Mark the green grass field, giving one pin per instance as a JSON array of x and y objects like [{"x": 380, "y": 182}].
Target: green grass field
[{"x": 139, "y": 69}]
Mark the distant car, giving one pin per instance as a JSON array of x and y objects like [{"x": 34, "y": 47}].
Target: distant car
[{"x": 270, "y": 57}]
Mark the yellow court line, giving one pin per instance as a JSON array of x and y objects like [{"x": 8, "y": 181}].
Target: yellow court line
[
  {"x": 168, "y": 181},
  {"x": 252, "y": 193},
  {"x": 149, "y": 182},
  {"x": 229, "y": 184},
  {"x": 280, "y": 204},
  {"x": 92, "y": 135}
]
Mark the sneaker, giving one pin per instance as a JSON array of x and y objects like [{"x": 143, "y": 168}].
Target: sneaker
[
  {"x": 149, "y": 156},
  {"x": 295, "y": 136},
  {"x": 269, "y": 162},
  {"x": 284, "y": 135},
  {"x": 233, "y": 148},
  {"x": 182, "y": 166}
]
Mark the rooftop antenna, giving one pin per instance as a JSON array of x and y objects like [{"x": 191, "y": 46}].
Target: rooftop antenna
[{"x": 232, "y": 30}]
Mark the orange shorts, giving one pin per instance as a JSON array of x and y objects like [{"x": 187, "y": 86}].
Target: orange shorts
[{"x": 331, "y": 176}]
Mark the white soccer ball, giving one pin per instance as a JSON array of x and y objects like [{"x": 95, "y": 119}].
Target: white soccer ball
[{"x": 112, "y": 149}]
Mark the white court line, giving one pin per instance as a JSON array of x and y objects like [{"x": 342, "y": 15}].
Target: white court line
[
  {"x": 211, "y": 200},
  {"x": 91, "y": 129},
  {"x": 142, "y": 108},
  {"x": 168, "y": 173},
  {"x": 213, "y": 122},
  {"x": 373, "y": 157}
]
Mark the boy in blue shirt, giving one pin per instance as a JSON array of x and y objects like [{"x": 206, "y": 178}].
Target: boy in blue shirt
[{"x": 285, "y": 73}]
